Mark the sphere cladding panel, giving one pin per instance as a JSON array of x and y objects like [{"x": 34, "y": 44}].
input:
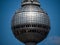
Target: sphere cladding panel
[{"x": 30, "y": 17}]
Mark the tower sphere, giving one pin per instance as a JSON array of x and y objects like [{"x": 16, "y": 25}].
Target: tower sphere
[{"x": 30, "y": 24}]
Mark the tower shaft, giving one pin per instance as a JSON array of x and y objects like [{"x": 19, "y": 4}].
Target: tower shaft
[{"x": 30, "y": 43}]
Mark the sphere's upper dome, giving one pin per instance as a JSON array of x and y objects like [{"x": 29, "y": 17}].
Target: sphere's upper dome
[{"x": 30, "y": 14}]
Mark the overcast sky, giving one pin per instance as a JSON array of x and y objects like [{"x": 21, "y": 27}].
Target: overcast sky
[{"x": 7, "y": 10}]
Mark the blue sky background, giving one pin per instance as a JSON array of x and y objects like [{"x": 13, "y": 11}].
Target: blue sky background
[{"x": 7, "y": 10}]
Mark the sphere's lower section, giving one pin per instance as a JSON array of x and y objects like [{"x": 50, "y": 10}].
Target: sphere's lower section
[
  {"x": 31, "y": 37},
  {"x": 30, "y": 32}
]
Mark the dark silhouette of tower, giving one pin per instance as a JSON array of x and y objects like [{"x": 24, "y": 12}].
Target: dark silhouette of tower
[{"x": 30, "y": 24}]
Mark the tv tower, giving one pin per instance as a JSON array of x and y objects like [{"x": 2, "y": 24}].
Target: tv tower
[{"x": 30, "y": 24}]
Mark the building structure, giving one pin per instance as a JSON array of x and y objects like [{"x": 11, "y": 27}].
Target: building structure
[{"x": 30, "y": 24}]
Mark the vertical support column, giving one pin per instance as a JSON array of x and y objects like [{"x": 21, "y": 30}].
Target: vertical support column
[{"x": 30, "y": 43}]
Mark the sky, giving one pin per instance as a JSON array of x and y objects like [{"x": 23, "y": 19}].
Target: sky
[{"x": 7, "y": 10}]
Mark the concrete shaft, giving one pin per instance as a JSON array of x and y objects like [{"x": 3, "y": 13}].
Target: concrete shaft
[{"x": 30, "y": 43}]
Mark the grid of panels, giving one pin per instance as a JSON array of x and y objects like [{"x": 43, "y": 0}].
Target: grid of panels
[{"x": 31, "y": 17}]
